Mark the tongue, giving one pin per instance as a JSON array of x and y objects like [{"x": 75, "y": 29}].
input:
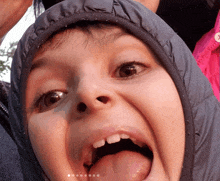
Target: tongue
[{"x": 125, "y": 165}]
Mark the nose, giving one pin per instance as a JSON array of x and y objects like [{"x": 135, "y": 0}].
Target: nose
[{"x": 92, "y": 95}]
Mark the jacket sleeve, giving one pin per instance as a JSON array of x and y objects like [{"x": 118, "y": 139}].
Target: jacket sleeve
[
  {"x": 10, "y": 168},
  {"x": 4, "y": 116}
]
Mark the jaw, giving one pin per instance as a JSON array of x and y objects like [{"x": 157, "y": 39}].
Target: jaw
[
  {"x": 122, "y": 164},
  {"x": 119, "y": 156},
  {"x": 71, "y": 152},
  {"x": 63, "y": 162},
  {"x": 154, "y": 172}
]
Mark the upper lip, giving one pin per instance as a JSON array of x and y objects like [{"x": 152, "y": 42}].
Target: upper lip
[{"x": 98, "y": 135}]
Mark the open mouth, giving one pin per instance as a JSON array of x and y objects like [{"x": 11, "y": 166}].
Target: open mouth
[{"x": 115, "y": 148}]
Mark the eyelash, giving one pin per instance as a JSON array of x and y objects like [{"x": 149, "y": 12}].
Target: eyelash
[
  {"x": 134, "y": 64},
  {"x": 40, "y": 98}
]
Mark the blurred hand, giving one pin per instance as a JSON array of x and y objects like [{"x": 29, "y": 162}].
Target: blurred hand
[
  {"x": 150, "y": 4},
  {"x": 11, "y": 12}
]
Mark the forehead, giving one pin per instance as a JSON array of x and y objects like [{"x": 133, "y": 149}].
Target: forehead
[
  {"x": 78, "y": 41},
  {"x": 100, "y": 34}
]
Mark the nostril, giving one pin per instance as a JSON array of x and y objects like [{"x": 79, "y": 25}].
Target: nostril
[
  {"x": 81, "y": 107},
  {"x": 103, "y": 99}
]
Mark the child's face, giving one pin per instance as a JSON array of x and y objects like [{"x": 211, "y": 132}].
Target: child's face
[{"x": 97, "y": 88}]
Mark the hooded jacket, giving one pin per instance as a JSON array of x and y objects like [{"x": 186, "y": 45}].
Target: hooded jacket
[
  {"x": 201, "y": 108},
  {"x": 10, "y": 168},
  {"x": 190, "y": 19}
]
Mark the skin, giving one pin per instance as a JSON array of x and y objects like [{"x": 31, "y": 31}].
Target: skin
[
  {"x": 150, "y": 4},
  {"x": 84, "y": 68},
  {"x": 11, "y": 12}
]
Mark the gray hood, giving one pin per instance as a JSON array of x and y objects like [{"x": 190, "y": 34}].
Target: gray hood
[{"x": 201, "y": 108}]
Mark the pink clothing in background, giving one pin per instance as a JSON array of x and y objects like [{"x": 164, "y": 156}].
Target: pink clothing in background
[{"x": 207, "y": 53}]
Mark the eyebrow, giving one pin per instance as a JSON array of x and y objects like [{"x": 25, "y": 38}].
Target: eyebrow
[
  {"x": 119, "y": 34},
  {"x": 55, "y": 45},
  {"x": 39, "y": 63},
  {"x": 43, "y": 61}
]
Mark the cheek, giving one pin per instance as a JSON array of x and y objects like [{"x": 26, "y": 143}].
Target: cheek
[
  {"x": 170, "y": 133},
  {"x": 47, "y": 135},
  {"x": 158, "y": 100},
  {"x": 166, "y": 117}
]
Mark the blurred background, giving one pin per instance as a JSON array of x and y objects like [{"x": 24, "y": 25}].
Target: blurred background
[{"x": 10, "y": 41}]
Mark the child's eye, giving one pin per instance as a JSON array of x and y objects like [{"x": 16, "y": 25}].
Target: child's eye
[
  {"x": 129, "y": 69},
  {"x": 49, "y": 99}
]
